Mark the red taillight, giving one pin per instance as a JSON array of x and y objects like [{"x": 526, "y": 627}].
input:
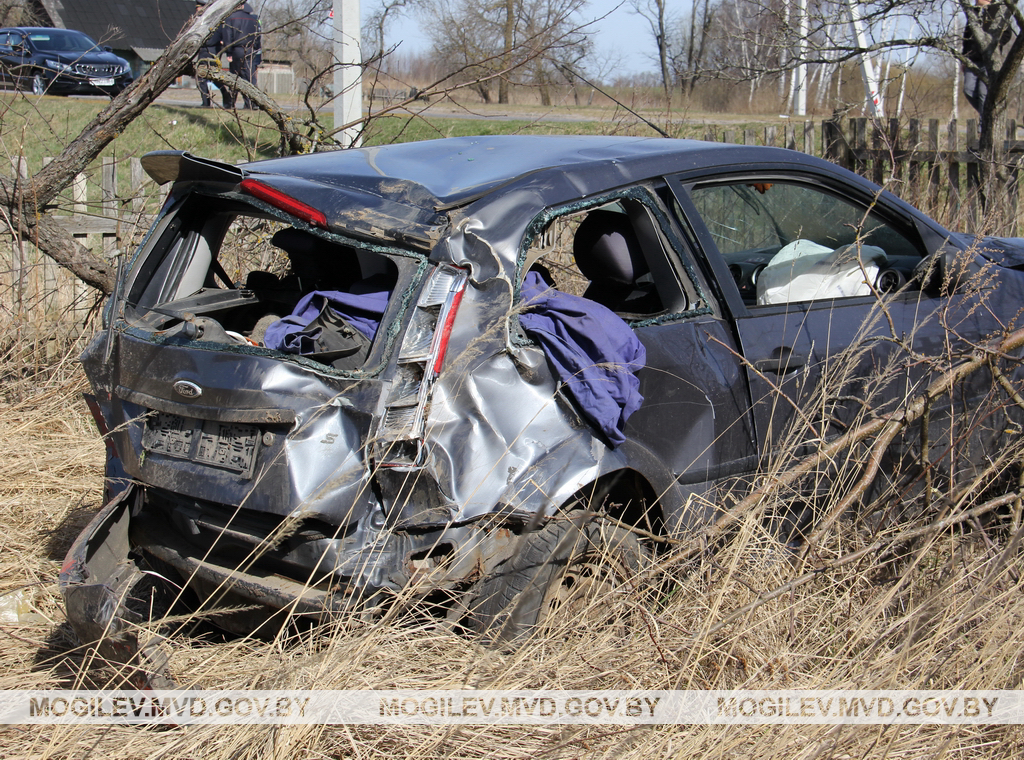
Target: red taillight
[
  {"x": 101, "y": 423},
  {"x": 446, "y": 330},
  {"x": 285, "y": 202}
]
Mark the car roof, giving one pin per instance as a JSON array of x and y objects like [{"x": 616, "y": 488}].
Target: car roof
[
  {"x": 401, "y": 191},
  {"x": 453, "y": 171}
]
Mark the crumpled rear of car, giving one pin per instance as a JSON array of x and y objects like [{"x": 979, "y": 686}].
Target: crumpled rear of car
[{"x": 282, "y": 440}]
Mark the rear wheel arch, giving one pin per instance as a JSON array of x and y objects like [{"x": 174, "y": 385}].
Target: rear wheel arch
[
  {"x": 625, "y": 496},
  {"x": 586, "y": 550}
]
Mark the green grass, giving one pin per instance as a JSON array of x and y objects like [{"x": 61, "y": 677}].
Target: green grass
[{"x": 42, "y": 127}]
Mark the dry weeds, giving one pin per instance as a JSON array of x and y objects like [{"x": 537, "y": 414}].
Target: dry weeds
[{"x": 933, "y": 603}]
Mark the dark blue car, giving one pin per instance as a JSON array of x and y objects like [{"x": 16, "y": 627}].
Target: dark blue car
[
  {"x": 43, "y": 60},
  {"x": 488, "y": 372}
]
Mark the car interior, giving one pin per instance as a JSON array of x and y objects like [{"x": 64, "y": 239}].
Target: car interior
[{"x": 787, "y": 242}]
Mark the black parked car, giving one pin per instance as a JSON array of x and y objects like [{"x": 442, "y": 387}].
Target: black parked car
[
  {"x": 327, "y": 379},
  {"x": 42, "y": 60}
]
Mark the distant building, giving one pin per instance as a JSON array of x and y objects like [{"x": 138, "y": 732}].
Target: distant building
[{"x": 137, "y": 30}]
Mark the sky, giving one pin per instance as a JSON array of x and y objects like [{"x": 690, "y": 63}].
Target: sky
[{"x": 621, "y": 34}]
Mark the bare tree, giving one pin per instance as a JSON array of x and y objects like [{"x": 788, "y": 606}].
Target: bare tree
[
  {"x": 657, "y": 17},
  {"x": 688, "y": 63},
  {"x": 375, "y": 27},
  {"x": 299, "y": 31},
  {"x": 529, "y": 42},
  {"x": 886, "y": 27}
]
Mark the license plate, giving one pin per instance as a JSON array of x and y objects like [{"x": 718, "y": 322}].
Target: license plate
[
  {"x": 108, "y": 82},
  {"x": 226, "y": 445}
]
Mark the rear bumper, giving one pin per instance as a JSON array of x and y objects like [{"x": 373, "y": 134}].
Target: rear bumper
[
  {"x": 108, "y": 581},
  {"x": 101, "y": 586}
]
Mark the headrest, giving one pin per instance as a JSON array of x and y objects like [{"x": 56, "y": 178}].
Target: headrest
[
  {"x": 606, "y": 248},
  {"x": 298, "y": 243}
]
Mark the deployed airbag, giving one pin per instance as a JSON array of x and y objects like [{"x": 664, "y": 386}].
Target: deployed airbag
[{"x": 806, "y": 271}]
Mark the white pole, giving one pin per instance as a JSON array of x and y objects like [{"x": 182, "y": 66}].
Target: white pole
[
  {"x": 875, "y": 105},
  {"x": 348, "y": 81},
  {"x": 800, "y": 75}
]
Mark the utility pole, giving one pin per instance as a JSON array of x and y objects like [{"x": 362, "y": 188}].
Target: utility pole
[
  {"x": 800, "y": 73},
  {"x": 874, "y": 94},
  {"x": 348, "y": 76}
]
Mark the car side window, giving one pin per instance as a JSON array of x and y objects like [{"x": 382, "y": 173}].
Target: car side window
[
  {"x": 616, "y": 255},
  {"x": 786, "y": 242}
]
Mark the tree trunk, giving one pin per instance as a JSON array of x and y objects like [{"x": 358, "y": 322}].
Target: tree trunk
[{"x": 506, "y": 58}]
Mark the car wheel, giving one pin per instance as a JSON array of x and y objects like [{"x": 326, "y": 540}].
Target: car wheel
[
  {"x": 27, "y": 81},
  {"x": 563, "y": 571}
]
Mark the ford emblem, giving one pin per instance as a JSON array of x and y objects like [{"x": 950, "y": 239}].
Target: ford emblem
[{"x": 188, "y": 389}]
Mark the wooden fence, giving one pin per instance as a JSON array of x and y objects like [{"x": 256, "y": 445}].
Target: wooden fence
[{"x": 98, "y": 214}]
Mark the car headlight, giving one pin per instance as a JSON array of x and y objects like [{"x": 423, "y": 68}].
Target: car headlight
[{"x": 57, "y": 65}]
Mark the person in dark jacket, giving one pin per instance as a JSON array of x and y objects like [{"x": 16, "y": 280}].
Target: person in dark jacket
[
  {"x": 240, "y": 37},
  {"x": 207, "y": 52}
]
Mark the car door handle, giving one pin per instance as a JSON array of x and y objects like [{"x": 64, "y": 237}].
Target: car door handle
[{"x": 782, "y": 361}]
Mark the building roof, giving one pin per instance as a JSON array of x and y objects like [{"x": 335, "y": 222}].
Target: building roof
[{"x": 122, "y": 24}]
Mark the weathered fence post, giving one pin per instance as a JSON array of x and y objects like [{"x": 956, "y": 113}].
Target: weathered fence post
[
  {"x": 933, "y": 165},
  {"x": 953, "y": 162},
  {"x": 859, "y": 143},
  {"x": 907, "y": 153},
  {"x": 20, "y": 168},
  {"x": 108, "y": 202},
  {"x": 973, "y": 172},
  {"x": 832, "y": 142}
]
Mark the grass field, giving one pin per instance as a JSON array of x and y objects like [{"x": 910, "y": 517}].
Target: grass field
[
  {"x": 940, "y": 610},
  {"x": 932, "y": 601}
]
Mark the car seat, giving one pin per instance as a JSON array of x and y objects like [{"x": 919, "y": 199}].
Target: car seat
[{"x": 608, "y": 254}]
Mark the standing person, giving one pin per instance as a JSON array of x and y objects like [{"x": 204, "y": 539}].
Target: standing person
[
  {"x": 207, "y": 52},
  {"x": 240, "y": 37}
]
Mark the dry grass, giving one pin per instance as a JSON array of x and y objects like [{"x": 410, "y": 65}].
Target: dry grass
[
  {"x": 919, "y": 604},
  {"x": 945, "y": 617}
]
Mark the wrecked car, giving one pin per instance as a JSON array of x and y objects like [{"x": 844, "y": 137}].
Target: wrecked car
[{"x": 325, "y": 380}]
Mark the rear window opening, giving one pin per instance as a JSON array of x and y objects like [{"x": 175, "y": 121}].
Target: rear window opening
[{"x": 223, "y": 272}]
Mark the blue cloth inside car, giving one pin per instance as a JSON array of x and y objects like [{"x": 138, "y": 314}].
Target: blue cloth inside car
[
  {"x": 591, "y": 349},
  {"x": 363, "y": 310}
]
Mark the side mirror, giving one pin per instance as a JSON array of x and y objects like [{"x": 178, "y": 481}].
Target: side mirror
[{"x": 947, "y": 271}]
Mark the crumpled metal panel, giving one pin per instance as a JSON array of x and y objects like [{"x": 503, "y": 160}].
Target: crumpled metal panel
[
  {"x": 498, "y": 438},
  {"x": 313, "y": 463},
  {"x": 500, "y": 435}
]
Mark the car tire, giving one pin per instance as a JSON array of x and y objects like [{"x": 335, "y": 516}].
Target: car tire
[
  {"x": 562, "y": 571},
  {"x": 29, "y": 81}
]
